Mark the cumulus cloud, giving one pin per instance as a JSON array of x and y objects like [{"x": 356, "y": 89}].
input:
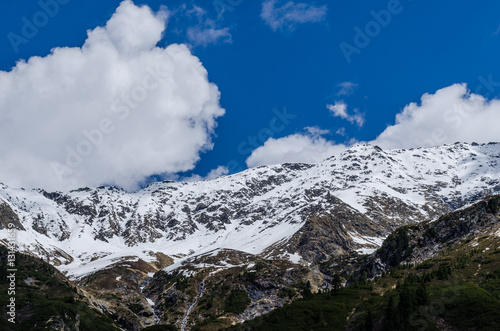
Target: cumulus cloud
[
  {"x": 290, "y": 14},
  {"x": 451, "y": 114},
  {"x": 217, "y": 172},
  {"x": 307, "y": 147},
  {"x": 206, "y": 31},
  {"x": 339, "y": 109},
  {"x": 214, "y": 173},
  {"x": 114, "y": 111}
]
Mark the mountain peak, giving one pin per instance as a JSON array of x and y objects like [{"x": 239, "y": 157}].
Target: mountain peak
[{"x": 258, "y": 210}]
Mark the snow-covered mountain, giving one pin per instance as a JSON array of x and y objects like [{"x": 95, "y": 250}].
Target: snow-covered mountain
[{"x": 296, "y": 211}]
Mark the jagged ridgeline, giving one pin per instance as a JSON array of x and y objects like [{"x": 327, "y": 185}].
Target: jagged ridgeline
[{"x": 208, "y": 255}]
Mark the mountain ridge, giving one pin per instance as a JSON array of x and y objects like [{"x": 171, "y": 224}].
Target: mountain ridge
[{"x": 365, "y": 192}]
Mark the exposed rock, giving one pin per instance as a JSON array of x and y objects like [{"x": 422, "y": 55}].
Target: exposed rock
[{"x": 9, "y": 219}]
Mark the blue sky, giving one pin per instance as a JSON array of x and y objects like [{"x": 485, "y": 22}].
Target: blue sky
[{"x": 293, "y": 59}]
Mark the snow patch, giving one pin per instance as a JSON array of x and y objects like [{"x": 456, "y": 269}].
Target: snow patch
[
  {"x": 295, "y": 258},
  {"x": 366, "y": 251}
]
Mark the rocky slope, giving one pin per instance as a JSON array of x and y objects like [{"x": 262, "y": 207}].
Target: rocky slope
[
  {"x": 436, "y": 275},
  {"x": 215, "y": 290},
  {"x": 417, "y": 243},
  {"x": 44, "y": 298},
  {"x": 363, "y": 193},
  {"x": 141, "y": 257}
]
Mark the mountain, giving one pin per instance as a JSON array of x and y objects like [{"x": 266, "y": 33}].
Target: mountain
[
  {"x": 257, "y": 231},
  {"x": 436, "y": 275},
  {"x": 363, "y": 193},
  {"x": 442, "y": 274},
  {"x": 44, "y": 299}
]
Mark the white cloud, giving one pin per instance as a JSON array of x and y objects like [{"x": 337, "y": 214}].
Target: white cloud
[
  {"x": 214, "y": 173},
  {"x": 451, "y": 114},
  {"x": 346, "y": 88},
  {"x": 341, "y": 132},
  {"x": 217, "y": 172},
  {"x": 208, "y": 35},
  {"x": 290, "y": 14},
  {"x": 339, "y": 109},
  {"x": 206, "y": 31},
  {"x": 114, "y": 111},
  {"x": 309, "y": 147},
  {"x": 314, "y": 131}
]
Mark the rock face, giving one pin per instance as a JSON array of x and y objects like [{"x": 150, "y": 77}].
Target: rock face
[
  {"x": 417, "y": 243},
  {"x": 331, "y": 233},
  {"x": 347, "y": 202},
  {"x": 9, "y": 219},
  {"x": 214, "y": 290},
  {"x": 254, "y": 240}
]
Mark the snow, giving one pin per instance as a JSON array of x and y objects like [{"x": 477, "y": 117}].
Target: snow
[
  {"x": 372, "y": 242},
  {"x": 265, "y": 205},
  {"x": 295, "y": 258},
  {"x": 352, "y": 199},
  {"x": 365, "y": 251},
  {"x": 364, "y": 240}
]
